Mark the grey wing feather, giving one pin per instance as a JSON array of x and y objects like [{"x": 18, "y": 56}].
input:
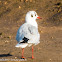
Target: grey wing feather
[
  {"x": 22, "y": 32},
  {"x": 33, "y": 30},
  {"x": 27, "y": 31}
]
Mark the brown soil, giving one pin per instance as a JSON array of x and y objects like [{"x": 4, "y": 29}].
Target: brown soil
[{"x": 12, "y": 16}]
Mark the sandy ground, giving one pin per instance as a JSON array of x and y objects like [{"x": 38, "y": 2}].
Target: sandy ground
[{"x": 12, "y": 16}]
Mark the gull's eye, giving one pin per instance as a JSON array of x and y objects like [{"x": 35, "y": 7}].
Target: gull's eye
[
  {"x": 31, "y": 15},
  {"x": 35, "y": 14}
]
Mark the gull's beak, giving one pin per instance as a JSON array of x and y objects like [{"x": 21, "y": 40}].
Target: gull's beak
[{"x": 39, "y": 17}]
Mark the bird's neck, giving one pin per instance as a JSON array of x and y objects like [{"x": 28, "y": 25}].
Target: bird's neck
[{"x": 33, "y": 23}]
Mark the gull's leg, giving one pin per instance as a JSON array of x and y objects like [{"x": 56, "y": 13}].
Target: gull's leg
[
  {"x": 32, "y": 53},
  {"x": 23, "y": 53}
]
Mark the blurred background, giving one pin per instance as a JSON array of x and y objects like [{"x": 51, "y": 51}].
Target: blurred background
[{"x": 12, "y": 16}]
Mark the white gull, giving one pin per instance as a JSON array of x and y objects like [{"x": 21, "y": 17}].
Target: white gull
[{"x": 28, "y": 34}]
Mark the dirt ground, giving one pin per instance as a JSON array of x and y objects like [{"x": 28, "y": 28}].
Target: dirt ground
[{"x": 12, "y": 16}]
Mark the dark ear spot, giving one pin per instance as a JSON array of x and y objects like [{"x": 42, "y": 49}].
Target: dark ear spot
[
  {"x": 31, "y": 15},
  {"x": 35, "y": 14}
]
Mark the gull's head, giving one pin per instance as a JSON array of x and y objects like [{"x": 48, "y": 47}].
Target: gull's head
[{"x": 31, "y": 17}]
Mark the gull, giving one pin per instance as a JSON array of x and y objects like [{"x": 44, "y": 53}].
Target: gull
[{"x": 28, "y": 35}]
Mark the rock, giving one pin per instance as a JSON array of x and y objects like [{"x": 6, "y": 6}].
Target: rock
[
  {"x": 6, "y": 41},
  {"x": 5, "y": 2},
  {"x": 15, "y": 57},
  {"x": 19, "y": 7},
  {"x": 30, "y": 0},
  {"x": 9, "y": 37},
  {"x": 50, "y": 59}
]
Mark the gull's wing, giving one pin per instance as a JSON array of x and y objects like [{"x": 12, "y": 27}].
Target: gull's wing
[{"x": 26, "y": 32}]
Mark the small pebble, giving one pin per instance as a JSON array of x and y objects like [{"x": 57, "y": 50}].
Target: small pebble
[
  {"x": 41, "y": 31},
  {"x": 22, "y": 0},
  {"x": 50, "y": 59},
  {"x": 30, "y": 0},
  {"x": 4, "y": 49},
  {"x": 52, "y": 37},
  {"x": 15, "y": 57},
  {"x": 9, "y": 37},
  {"x": 26, "y": 0},
  {"x": 59, "y": 10},
  {"x": 19, "y": 7},
  {"x": 6, "y": 41},
  {"x": 0, "y": 1},
  {"x": 5, "y": 2}
]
